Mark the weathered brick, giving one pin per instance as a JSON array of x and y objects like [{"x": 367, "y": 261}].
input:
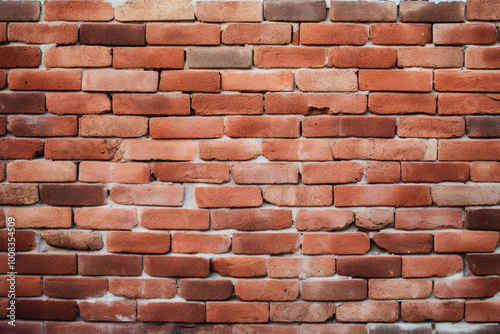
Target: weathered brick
[
  {"x": 374, "y": 219},
  {"x": 176, "y": 266},
  {"x": 256, "y": 82},
  {"x": 434, "y": 171},
  {"x": 183, "y": 34},
  {"x": 124, "y": 310},
  {"x": 176, "y": 219},
  {"x": 332, "y": 172},
  {"x": 338, "y": 243},
  {"x": 189, "y": 172},
  {"x": 431, "y": 12},
  {"x": 395, "y": 80},
  {"x": 108, "y": 172},
  {"x": 265, "y": 243},
  {"x": 289, "y": 57},
  {"x": 400, "y": 33},
  {"x": 368, "y": 311},
  {"x": 223, "y": 57},
  {"x": 324, "y": 220},
  {"x": 432, "y": 265},
  {"x": 171, "y": 312},
  {"x": 24, "y": 241},
  {"x": 77, "y": 103},
  {"x": 43, "y": 126},
  {"x": 47, "y": 217},
  {"x": 138, "y": 242},
  {"x": 266, "y": 290},
  {"x": 399, "y": 288},
  {"x": 18, "y": 194},
  {"x": 483, "y": 264},
  {"x": 195, "y": 289},
  {"x": 3, "y": 32},
  {"x": 150, "y": 57},
  {"x": 334, "y": 290},
  {"x": 19, "y": 56},
  {"x": 112, "y": 126},
  {"x": 113, "y": 34},
  {"x": 224, "y": 104},
  {"x": 257, "y": 33},
  {"x": 432, "y": 310},
  {"x": 301, "y": 267},
  {"x": 482, "y": 219},
  {"x": 482, "y": 58},
  {"x": 223, "y": 150},
  {"x": 78, "y": 11},
  {"x": 467, "y": 287},
  {"x": 153, "y": 194},
  {"x": 81, "y": 149},
  {"x": 465, "y": 242},
  {"x": 464, "y": 103},
  {"x": 430, "y": 127},
  {"x": 383, "y": 172},
  {"x": 326, "y": 81},
  {"x": 483, "y": 10},
  {"x": 483, "y": 126},
  {"x": 234, "y": 312},
  {"x": 297, "y": 149},
  {"x": 20, "y": 79},
  {"x": 74, "y": 287},
  {"x": 183, "y": 242},
  {"x": 17, "y": 148},
  {"x": 120, "y": 81},
  {"x": 77, "y": 56},
  {"x": 294, "y": 10},
  {"x": 20, "y": 11},
  {"x": 465, "y": 194},
  {"x": 301, "y": 312},
  {"x": 362, "y": 57},
  {"x": 230, "y": 11},
  {"x": 142, "y": 288},
  {"x": 401, "y": 103},
  {"x": 239, "y": 266},
  {"x": 429, "y": 219},
  {"x": 382, "y": 195},
  {"x": 348, "y": 126},
  {"x": 474, "y": 81},
  {"x": 298, "y": 195},
  {"x": 109, "y": 265},
  {"x": 264, "y": 126},
  {"x": 404, "y": 243},
  {"x": 179, "y": 127},
  {"x": 333, "y": 34},
  {"x": 464, "y": 33},
  {"x": 437, "y": 57},
  {"x": 173, "y": 150},
  {"x": 41, "y": 171},
  {"x": 79, "y": 240},
  {"x": 73, "y": 194},
  {"x": 482, "y": 311},
  {"x": 313, "y": 104},
  {"x": 264, "y": 173},
  {"x": 151, "y": 104},
  {"x": 43, "y": 33},
  {"x": 155, "y": 10},
  {"x": 363, "y": 11},
  {"x": 190, "y": 81}
]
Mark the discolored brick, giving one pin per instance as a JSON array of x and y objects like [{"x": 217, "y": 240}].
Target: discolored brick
[
  {"x": 294, "y": 10},
  {"x": 113, "y": 34},
  {"x": 404, "y": 243},
  {"x": 78, "y": 240},
  {"x": 20, "y": 11},
  {"x": 431, "y": 12},
  {"x": 369, "y": 266},
  {"x": 224, "y": 57},
  {"x": 363, "y": 11}
]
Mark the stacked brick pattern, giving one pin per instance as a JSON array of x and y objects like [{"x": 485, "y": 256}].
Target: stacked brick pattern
[{"x": 249, "y": 167}]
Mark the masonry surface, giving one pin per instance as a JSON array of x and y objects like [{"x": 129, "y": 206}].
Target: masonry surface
[{"x": 251, "y": 167}]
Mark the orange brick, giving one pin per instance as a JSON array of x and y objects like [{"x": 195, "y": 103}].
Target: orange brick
[
  {"x": 230, "y": 11},
  {"x": 482, "y": 311},
  {"x": 297, "y": 150},
  {"x": 400, "y": 33},
  {"x": 145, "y": 149},
  {"x": 338, "y": 243},
  {"x": 266, "y": 289},
  {"x": 230, "y": 196},
  {"x": 151, "y": 104},
  {"x": 224, "y": 150},
  {"x": 298, "y": 195},
  {"x": 251, "y": 219},
  {"x": 468, "y": 150},
  {"x": 437, "y": 57},
  {"x": 109, "y": 172},
  {"x": 175, "y": 219},
  {"x": 78, "y": 11},
  {"x": 404, "y": 243},
  {"x": 313, "y": 104},
  {"x": 43, "y": 33},
  {"x": 200, "y": 243},
  {"x": 326, "y": 81},
  {"x": 312, "y": 266},
  {"x": 332, "y": 172},
  {"x": 480, "y": 57},
  {"x": 189, "y": 172},
  {"x": 382, "y": 195},
  {"x": 483, "y": 10},
  {"x": 41, "y": 171},
  {"x": 45, "y": 79},
  {"x": 255, "y": 82},
  {"x": 223, "y": 104},
  {"x": 77, "y": 103},
  {"x": 77, "y": 56},
  {"x": 383, "y": 172},
  {"x": 324, "y": 220},
  {"x": 465, "y": 242},
  {"x": 43, "y": 126},
  {"x": 112, "y": 126},
  {"x": 401, "y": 103},
  {"x": 262, "y": 126},
  {"x": 183, "y": 34},
  {"x": 464, "y": 33},
  {"x": 289, "y": 57},
  {"x": 179, "y": 127},
  {"x": 432, "y": 265},
  {"x": 43, "y": 217},
  {"x": 363, "y": 11},
  {"x": 239, "y": 266},
  {"x": 154, "y": 194},
  {"x": 361, "y": 57},
  {"x": 331, "y": 34},
  {"x": 190, "y": 81},
  {"x": 484, "y": 172},
  {"x": 138, "y": 242},
  {"x": 105, "y": 218},
  {"x": 395, "y": 80},
  {"x": 149, "y": 57},
  {"x": 257, "y": 33},
  {"x": 120, "y": 81},
  {"x": 464, "y": 103},
  {"x": 430, "y": 127}
]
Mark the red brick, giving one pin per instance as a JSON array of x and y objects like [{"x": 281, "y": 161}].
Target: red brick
[
  {"x": 298, "y": 195},
  {"x": 183, "y": 34},
  {"x": 474, "y": 81},
  {"x": 151, "y": 104},
  {"x": 77, "y": 56},
  {"x": 229, "y": 196},
  {"x": 313, "y": 104},
  {"x": 464, "y": 33},
  {"x": 482, "y": 219},
  {"x": 113, "y": 34},
  {"x": 382, "y": 195},
  {"x": 404, "y": 243},
  {"x": 385, "y": 149},
  {"x": 154, "y": 194},
  {"x": 430, "y": 127},
  {"x": 76, "y": 240},
  {"x": 109, "y": 265},
  {"x": 483, "y": 126},
  {"x": 26, "y": 286},
  {"x": 265, "y": 243},
  {"x": 41, "y": 171},
  {"x": 266, "y": 290},
  {"x": 176, "y": 219},
  {"x": 43, "y": 33},
  {"x": 24, "y": 240},
  {"x": 467, "y": 287},
  {"x": 77, "y": 11},
  {"x": 363, "y": 11},
  {"x": 74, "y": 287},
  {"x": 173, "y": 150},
  {"x": 120, "y": 81},
  {"x": 374, "y": 219},
  {"x": 225, "y": 150},
  {"x": 176, "y": 266},
  {"x": 13, "y": 194},
  {"x": 326, "y": 81},
  {"x": 200, "y": 243},
  {"x": 400, "y": 33},
  {"x": 72, "y": 327},
  {"x": 395, "y": 80},
  {"x": 401, "y": 103},
  {"x": 41, "y": 217},
  {"x": 338, "y": 243},
  {"x": 20, "y": 79},
  {"x": 195, "y": 289},
  {"x": 297, "y": 149},
  {"x": 369, "y": 266},
  {"x": 434, "y": 171},
  {"x": 191, "y": 81},
  {"x": 180, "y": 127},
  {"x": 257, "y": 33},
  {"x": 429, "y": 219},
  {"x": 20, "y": 11},
  {"x": 484, "y": 264},
  {"x": 3, "y": 121},
  {"x": 368, "y": 311},
  {"x": 334, "y": 290},
  {"x": 482, "y": 311},
  {"x": 19, "y": 56},
  {"x": 288, "y": 57},
  {"x": 399, "y": 288},
  {"x": 155, "y": 11},
  {"x": 255, "y": 82},
  {"x": 150, "y": 57},
  {"x": 463, "y": 103},
  {"x": 348, "y": 126},
  {"x": 301, "y": 267},
  {"x": 3, "y": 32},
  {"x": 143, "y": 288},
  {"x": 482, "y": 58},
  {"x": 138, "y": 242},
  {"x": 231, "y": 11},
  {"x": 223, "y": 104},
  {"x": 43, "y": 126},
  {"x": 265, "y": 126},
  {"x": 124, "y": 310},
  {"x": 333, "y": 34},
  {"x": 468, "y": 150},
  {"x": 301, "y": 311},
  {"x": 3, "y": 79},
  {"x": 222, "y": 57},
  {"x": 383, "y": 172},
  {"x": 432, "y": 12},
  {"x": 465, "y": 242},
  {"x": 483, "y": 10},
  {"x": 39, "y": 309},
  {"x": 432, "y": 265},
  {"x": 264, "y": 173},
  {"x": 46, "y": 264},
  {"x": 362, "y": 57},
  {"x": 171, "y": 312},
  {"x": 437, "y": 57},
  {"x": 77, "y": 103},
  {"x": 324, "y": 220},
  {"x": 233, "y": 312},
  {"x": 189, "y": 172},
  {"x": 73, "y": 194},
  {"x": 106, "y": 218},
  {"x": 239, "y": 266},
  {"x": 432, "y": 310}
]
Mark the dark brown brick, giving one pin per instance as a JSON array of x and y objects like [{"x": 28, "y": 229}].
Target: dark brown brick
[
  {"x": 426, "y": 11},
  {"x": 43, "y": 126},
  {"x": 334, "y": 290},
  {"x": 39, "y": 309},
  {"x": 73, "y": 194},
  {"x": 74, "y": 287},
  {"x": 19, "y": 11},
  {"x": 404, "y": 243},
  {"x": 484, "y": 264},
  {"x": 483, "y": 126},
  {"x": 19, "y": 56},
  {"x": 369, "y": 266},
  {"x": 223, "y": 57},
  {"x": 25, "y": 240},
  {"x": 109, "y": 265},
  {"x": 363, "y": 11},
  {"x": 294, "y": 10},
  {"x": 46, "y": 264},
  {"x": 483, "y": 219},
  {"x": 176, "y": 266},
  {"x": 22, "y": 103},
  {"x": 113, "y": 34},
  {"x": 197, "y": 289}
]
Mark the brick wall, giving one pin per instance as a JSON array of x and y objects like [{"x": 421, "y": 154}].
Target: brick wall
[{"x": 249, "y": 167}]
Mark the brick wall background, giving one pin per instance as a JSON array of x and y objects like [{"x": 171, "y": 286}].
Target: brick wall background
[{"x": 251, "y": 167}]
